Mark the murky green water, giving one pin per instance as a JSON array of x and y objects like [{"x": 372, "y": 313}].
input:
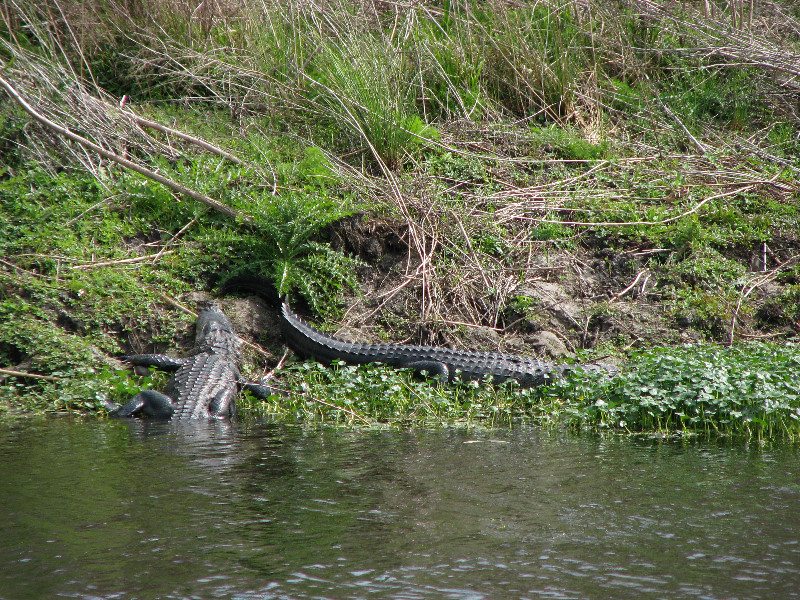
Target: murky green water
[{"x": 213, "y": 510}]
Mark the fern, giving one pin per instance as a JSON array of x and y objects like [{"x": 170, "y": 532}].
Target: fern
[
  {"x": 319, "y": 275},
  {"x": 282, "y": 244}
]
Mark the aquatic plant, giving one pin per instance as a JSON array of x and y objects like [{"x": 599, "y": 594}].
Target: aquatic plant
[{"x": 751, "y": 390}]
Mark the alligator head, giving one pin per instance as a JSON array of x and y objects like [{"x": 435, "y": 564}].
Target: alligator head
[{"x": 214, "y": 333}]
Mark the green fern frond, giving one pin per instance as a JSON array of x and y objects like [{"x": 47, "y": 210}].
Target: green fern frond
[{"x": 282, "y": 244}]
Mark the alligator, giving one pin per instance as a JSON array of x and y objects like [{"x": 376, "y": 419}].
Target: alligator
[
  {"x": 205, "y": 383},
  {"x": 442, "y": 363}
]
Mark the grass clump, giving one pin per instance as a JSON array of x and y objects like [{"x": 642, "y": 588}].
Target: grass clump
[{"x": 362, "y": 86}]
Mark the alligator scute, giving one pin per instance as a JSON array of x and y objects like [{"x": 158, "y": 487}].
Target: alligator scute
[{"x": 443, "y": 363}]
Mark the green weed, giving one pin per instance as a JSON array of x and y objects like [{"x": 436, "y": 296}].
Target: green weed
[
  {"x": 451, "y": 65},
  {"x": 283, "y": 244},
  {"x": 567, "y": 143},
  {"x": 750, "y": 390},
  {"x": 382, "y": 395},
  {"x": 314, "y": 170},
  {"x": 721, "y": 94}
]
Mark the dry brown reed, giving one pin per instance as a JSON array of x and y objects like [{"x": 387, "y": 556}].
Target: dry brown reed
[{"x": 261, "y": 60}]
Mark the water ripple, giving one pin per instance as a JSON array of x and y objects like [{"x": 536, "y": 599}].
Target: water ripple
[{"x": 123, "y": 510}]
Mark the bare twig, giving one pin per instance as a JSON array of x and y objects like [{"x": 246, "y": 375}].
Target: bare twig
[
  {"x": 13, "y": 373},
  {"x": 20, "y": 269},
  {"x": 694, "y": 209},
  {"x": 633, "y": 283},
  {"x": 88, "y": 210},
  {"x": 170, "y": 300},
  {"x": 123, "y": 261},
  {"x": 349, "y": 411},
  {"x": 183, "y": 230},
  {"x": 701, "y": 147},
  {"x": 184, "y": 136},
  {"x": 278, "y": 367},
  {"x": 756, "y": 283}
]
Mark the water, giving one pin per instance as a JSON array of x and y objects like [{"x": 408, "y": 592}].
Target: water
[{"x": 215, "y": 510}]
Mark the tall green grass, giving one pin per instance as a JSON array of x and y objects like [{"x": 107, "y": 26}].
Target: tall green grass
[
  {"x": 375, "y": 81},
  {"x": 365, "y": 89}
]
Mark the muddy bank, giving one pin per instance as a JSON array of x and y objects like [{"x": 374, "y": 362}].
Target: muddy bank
[{"x": 593, "y": 300}]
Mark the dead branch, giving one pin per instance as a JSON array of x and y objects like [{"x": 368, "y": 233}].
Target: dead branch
[
  {"x": 639, "y": 275},
  {"x": 694, "y": 209},
  {"x": 184, "y": 136},
  {"x": 124, "y": 260},
  {"x": 757, "y": 282},
  {"x": 173, "y": 185},
  {"x": 12, "y": 373}
]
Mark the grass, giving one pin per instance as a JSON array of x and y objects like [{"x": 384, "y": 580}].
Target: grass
[{"x": 640, "y": 159}]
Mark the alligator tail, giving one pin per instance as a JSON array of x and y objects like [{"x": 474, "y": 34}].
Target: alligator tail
[
  {"x": 261, "y": 286},
  {"x": 309, "y": 342}
]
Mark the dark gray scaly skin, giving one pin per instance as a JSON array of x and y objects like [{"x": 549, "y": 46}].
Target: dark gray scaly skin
[
  {"x": 205, "y": 383},
  {"x": 442, "y": 363}
]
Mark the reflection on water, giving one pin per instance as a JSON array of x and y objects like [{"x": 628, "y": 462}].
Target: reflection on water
[{"x": 145, "y": 510}]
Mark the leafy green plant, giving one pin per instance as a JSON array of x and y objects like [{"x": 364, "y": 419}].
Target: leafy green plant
[
  {"x": 375, "y": 394},
  {"x": 315, "y": 169},
  {"x": 282, "y": 243},
  {"x": 555, "y": 232},
  {"x": 749, "y": 390},
  {"x": 34, "y": 341},
  {"x": 719, "y": 94},
  {"x": 452, "y": 167},
  {"x": 567, "y": 143},
  {"x": 707, "y": 267}
]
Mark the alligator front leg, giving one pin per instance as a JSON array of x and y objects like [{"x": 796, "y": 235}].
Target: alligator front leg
[
  {"x": 149, "y": 403},
  {"x": 261, "y": 390}
]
